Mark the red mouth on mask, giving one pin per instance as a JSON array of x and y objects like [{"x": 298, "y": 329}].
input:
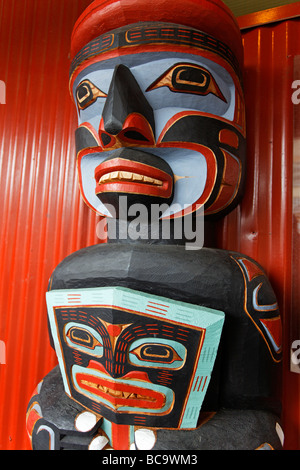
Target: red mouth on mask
[
  {"x": 121, "y": 392},
  {"x": 129, "y": 176}
]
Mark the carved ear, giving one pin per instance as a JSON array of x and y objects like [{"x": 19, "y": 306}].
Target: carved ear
[{"x": 124, "y": 98}]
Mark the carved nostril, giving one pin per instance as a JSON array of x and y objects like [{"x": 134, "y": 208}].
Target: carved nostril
[
  {"x": 135, "y": 135},
  {"x": 106, "y": 139}
]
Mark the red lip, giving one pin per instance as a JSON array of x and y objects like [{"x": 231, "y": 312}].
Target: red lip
[
  {"x": 119, "y": 393},
  {"x": 121, "y": 175}
]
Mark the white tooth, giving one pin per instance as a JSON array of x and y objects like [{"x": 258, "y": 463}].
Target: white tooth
[
  {"x": 147, "y": 179},
  {"x": 126, "y": 175},
  {"x": 114, "y": 175},
  {"x": 137, "y": 177},
  {"x": 103, "y": 178}
]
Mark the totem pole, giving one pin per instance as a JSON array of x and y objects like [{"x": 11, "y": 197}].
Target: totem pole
[{"x": 161, "y": 342}]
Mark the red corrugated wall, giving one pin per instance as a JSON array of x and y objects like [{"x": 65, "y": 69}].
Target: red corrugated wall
[
  {"x": 43, "y": 218},
  {"x": 261, "y": 227}
]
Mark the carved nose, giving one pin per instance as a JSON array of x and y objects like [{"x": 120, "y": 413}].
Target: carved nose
[{"x": 126, "y": 112}]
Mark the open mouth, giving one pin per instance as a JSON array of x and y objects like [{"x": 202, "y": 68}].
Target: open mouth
[
  {"x": 134, "y": 172},
  {"x": 120, "y": 393}
]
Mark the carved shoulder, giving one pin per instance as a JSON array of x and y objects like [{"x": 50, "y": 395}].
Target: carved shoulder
[
  {"x": 260, "y": 304},
  {"x": 250, "y": 351}
]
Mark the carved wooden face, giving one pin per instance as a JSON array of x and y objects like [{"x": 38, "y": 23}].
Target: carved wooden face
[
  {"x": 130, "y": 372},
  {"x": 134, "y": 358},
  {"x": 159, "y": 123}
]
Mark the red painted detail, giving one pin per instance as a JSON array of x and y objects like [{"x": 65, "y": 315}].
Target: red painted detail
[
  {"x": 120, "y": 436},
  {"x": 106, "y": 140},
  {"x": 130, "y": 186},
  {"x": 229, "y": 137},
  {"x": 119, "y": 393},
  {"x": 205, "y": 380},
  {"x": 210, "y": 16},
  {"x": 211, "y": 174},
  {"x": 158, "y": 306},
  {"x": 252, "y": 269},
  {"x": 133, "y": 123},
  {"x": 137, "y": 122},
  {"x": 273, "y": 325},
  {"x": 134, "y": 375},
  {"x": 32, "y": 417},
  {"x": 114, "y": 330}
]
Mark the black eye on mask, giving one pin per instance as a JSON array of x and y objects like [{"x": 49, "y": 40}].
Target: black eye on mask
[
  {"x": 188, "y": 78},
  {"x": 87, "y": 93}
]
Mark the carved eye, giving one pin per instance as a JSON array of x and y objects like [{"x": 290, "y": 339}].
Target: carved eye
[
  {"x": 81, "y": 338},
  {"x": 156, "y": 353},
  {"x": 87, "y": 93},
  {"x": 165, "y": 353},
  {"x": 188, "y": 78}
]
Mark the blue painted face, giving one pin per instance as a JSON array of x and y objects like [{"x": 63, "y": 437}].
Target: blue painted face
[
  {"x": 183, "y": 110},
  {"x": 214, "y": 93}
]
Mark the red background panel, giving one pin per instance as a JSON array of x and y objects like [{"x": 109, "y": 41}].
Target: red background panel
[
  {"x": 262, "y": 226},
  {"x": 43, "y": 218}
]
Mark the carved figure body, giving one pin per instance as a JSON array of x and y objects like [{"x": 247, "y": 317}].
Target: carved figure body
[{"x": 159, "y": 344}]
